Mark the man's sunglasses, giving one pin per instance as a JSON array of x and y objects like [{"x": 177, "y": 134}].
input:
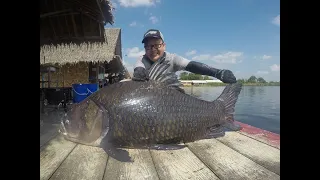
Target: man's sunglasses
[{"x": 154, "y": 45}]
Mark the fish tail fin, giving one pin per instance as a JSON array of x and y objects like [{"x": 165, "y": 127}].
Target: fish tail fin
[{"x": 229, "y": 98}]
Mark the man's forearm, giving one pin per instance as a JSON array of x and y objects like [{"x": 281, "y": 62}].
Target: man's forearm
[
  {"x": 200, "y": 68},
  {"x": 225, "y": 76}
]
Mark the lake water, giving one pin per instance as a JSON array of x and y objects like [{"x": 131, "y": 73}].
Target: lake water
[{"x": 258, "y": 106}]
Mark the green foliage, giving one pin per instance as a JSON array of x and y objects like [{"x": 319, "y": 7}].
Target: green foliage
[
  {"x": 192, "y": 76},
  {"x": 252, "y": 81}
]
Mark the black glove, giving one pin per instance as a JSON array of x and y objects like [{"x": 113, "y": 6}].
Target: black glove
[
  {"x": 225, "y": 76},
  {"x": 140, "y": 74}
]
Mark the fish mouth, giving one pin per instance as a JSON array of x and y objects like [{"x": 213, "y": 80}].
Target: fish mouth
[
  {"x": 63, "y": 129},
  {"x": 64, "y": 125},
  {"x": 66, "y": 129}
]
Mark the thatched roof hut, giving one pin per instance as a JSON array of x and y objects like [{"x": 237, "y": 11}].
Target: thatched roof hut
[
  {"x": 84, "y": 52},
  {"x": 76, "y": 60},
  {"x": 77, "y": 21},
  {"x": 73, "y": 38}
]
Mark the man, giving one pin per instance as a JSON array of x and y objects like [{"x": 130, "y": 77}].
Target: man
[{"x": 155, "y": 49}]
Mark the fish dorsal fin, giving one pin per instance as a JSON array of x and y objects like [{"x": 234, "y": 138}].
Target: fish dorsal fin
[{"x": 158, "y": 72}]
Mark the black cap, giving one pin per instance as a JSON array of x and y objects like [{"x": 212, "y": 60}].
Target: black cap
[{"x": 152, "y": 33}]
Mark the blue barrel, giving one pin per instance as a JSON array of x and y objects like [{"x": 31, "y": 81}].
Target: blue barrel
[
  {"x": 92, "y": 88},
  {"x": 80, "y": 92}
]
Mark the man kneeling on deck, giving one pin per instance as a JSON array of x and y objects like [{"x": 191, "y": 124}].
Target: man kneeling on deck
[{"x": 155, "y": 50}]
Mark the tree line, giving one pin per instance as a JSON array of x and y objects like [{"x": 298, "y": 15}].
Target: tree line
[
  {"x": 251, "y": 80},
  {"x": 193, "y": 76},
  {"x": 254, "y": 79}
]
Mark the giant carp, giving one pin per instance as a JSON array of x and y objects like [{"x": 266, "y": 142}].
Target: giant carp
[{"x": 148, "y": 113}]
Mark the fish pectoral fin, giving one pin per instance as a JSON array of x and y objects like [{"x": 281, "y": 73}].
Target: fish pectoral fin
[
  {"x": 121, "y": 155},
  {"x": 167, "y": 146},
  {"x": 215, "y": 132},
  {"x": 231, "y": 125},
  {"x": 116, "y": 153}
]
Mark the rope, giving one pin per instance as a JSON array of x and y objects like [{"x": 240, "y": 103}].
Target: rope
[{"x": 83, "y": 94}]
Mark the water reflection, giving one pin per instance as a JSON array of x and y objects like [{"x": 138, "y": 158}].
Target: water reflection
[
  {"x": 252, "y": 91},
  {"x": 257, "y": 105},
  {"x": 261, "y": 90}
]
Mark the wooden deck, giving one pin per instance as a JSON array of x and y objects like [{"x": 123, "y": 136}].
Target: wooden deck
[{"x": 249, "y": 154}]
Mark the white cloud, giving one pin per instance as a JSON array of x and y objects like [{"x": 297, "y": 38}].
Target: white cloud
[
  {"x": 276, "y": 20},
  {"x": 134, "y": 52},
  {"x": 264, "y": 57},
  {"x": 192, "y": 52},
  {"x": 134, "y": 23},
  {"x": 275, "y": 67},
  {"x": 114, "y": 5},
  {"x": 202, "y": 57},
  {"x": 154, "y": 19},
  {"x": 262, "y": 72},
  {"x": 138, "y": 3},
  {"x": 228, "y": 57}
]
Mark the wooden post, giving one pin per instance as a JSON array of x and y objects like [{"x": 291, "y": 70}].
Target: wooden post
[
  {"x": 97, "y": 73},
  {"x": 74, "y": 26},
  {"x": 62, "y": 75},
  {"x": 49, "y": 78}
]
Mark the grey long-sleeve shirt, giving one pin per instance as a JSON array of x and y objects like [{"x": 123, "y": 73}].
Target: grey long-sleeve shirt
[{"x": 177, "y": 63}]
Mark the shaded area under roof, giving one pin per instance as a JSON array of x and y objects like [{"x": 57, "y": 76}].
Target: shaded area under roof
[{"x": 74, "y": 21}]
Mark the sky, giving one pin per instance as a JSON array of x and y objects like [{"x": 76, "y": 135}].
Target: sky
[{"x": 240, "y": 35}]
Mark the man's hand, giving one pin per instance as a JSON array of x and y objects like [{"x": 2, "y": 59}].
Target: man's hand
[
  {"x": 226, "y": 76},
  {"x": 140, "y": 74}
]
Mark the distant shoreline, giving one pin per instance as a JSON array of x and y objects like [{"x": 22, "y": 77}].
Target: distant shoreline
[{"x": 223, "y": 84}]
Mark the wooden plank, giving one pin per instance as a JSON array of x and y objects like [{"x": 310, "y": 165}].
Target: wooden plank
[
  {"x": 83, "y": 163},
  {"x": 264, "y": 136},
  {"x": 141, "y": 168},
  {"x": 52, "y": 155},
  {"x": 180, "y": 164},
  {"x": 226, "y": 163},
  {"x": 74, "y": 26},
  {"x": 54, "y": 13},
  {"x": 47, "y": 132},
  {"x": 265, "y": 155}
]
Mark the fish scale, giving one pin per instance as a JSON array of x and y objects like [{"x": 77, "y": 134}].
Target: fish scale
[{"x": 165, "y": 119}]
